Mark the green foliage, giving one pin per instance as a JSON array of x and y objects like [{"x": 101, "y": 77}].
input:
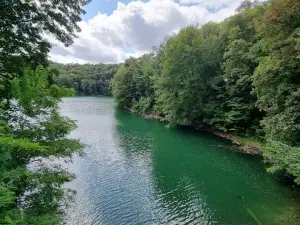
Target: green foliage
[
  {"x": 24, "y": 26},
  {"x": 7, "y": 197},
  {"x": 277, "y": 77},
  {"x": 33, "y": 134},
  {"x": 239, "y": 113},
  {"x": 87, "y": 79},
  {"x": 191, "y": 61},
  {"x": 133, "y": 84},
  {"x": 143, "y": 106},
  {"x": 241, "y": 75},
  {"x": 283, "y": 158},
  {"x": 248, "y": 4},
  {"x": 122, "y": 86}
]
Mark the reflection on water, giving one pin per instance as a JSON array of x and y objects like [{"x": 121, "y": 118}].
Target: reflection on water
[{"x": 138, "y": 171}]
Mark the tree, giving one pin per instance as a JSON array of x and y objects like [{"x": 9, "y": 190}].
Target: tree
[
  {"x": 87, "y": 79},
  {"x": 132, "y": 85},
  {"x": 283, "y": 159},
  {"x": 35, "y": 133},
  {"x": 190, "y": 62},
  {"x": 238, "y": 112},
  {"x": 241, "y": 75},
  {"x": 277, "y": 77},
  {"x": 122, "y": 84},
  {"x": 237, "y": 109},
  {"x": 24, "y": 26},
  {"x": 31, "y": 128},
  {"x": 248, "y": 4}
]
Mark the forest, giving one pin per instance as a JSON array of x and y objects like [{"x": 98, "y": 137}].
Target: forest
[
  {"x": 33, "y": 134},
  {"x": 241, "y": 76},
  {"x": 87, "y": 79}
]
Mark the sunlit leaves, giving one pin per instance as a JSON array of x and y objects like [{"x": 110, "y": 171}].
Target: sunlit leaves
[
  {"x": 34, "y": 133},
  {"x": 283, "y": 158},
  {"x": 25, "y": 30},
  {"x": 132, "y": 86},
  {"x": 241, "y": 76},
  {"x": 276, "y": 79}
]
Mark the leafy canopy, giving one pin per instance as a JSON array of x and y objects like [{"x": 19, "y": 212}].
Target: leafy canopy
[
  {"x": 241, "y": 76},
  {"x": 34, "y": 134},
  {"x": 25, "y": 26}
]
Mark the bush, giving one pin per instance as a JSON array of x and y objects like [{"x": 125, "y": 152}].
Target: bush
[
  {"x": 143, "y": 106},
  {"x": 283, "y": 158}
]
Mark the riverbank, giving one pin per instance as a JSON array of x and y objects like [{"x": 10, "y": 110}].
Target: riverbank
[
  {"x": 139, "y": 171},
  {"x": 246, "y": 145}
]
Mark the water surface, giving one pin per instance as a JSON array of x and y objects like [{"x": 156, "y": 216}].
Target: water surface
[{"x": 138, "y": 171}]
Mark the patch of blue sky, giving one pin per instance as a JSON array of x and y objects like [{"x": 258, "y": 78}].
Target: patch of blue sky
[
  {"x": 103, "y": 6},
  {"x": 108, "y": 6},
  {"x": 129, "y": 50},
  {"x": 216, "y": 9}
]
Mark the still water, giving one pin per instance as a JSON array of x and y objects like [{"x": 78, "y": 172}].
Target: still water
[{"x": 139, "y": 171}]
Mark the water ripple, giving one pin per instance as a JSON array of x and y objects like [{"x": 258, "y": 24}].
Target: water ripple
[{"x": 138, "y": 172}]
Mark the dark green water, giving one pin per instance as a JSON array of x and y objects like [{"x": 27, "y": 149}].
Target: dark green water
[{"x": 138, "y": 171}]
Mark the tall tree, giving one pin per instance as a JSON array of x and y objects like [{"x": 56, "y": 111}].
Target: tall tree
[
  {"x": 35, "y": 133},
  {"x": 31, "y": 129},
  {"x": 277, "y": 78},
  {"x": 239, "y": 112},
  {"x": 24, "y": 27},
  {"x": 122, "y": 85},
  {"x": 248, "y": 4},
  {"x": 190, "y": 61},
  {"x": 241, "y": 75}
]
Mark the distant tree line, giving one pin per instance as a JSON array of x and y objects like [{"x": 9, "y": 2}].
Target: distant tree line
[
  {"x": 87, "y": 79},
  {"x": 241, "y": 76}
]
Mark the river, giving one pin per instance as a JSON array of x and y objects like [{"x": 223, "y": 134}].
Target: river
[{"x": 138, "y": 171}]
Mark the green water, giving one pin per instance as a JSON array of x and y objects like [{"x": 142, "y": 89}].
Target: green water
[{"x": 138, "y": 171}]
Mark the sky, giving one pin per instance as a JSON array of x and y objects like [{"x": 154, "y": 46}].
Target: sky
[{"x": 114, "y": 30}]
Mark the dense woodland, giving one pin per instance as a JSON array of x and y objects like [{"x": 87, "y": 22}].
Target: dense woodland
[
  {"x": 241, "y": 76},
  {"x": 33, "y": 135},
  {"x": 86, "y": 79}
]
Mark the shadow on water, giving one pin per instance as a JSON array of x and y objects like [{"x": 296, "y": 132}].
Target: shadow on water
[
  {"x": 198, "y": 182},
  {"x": 138, "y": 171}
]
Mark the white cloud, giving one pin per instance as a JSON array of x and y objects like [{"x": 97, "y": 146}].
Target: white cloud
[
  {"x": 215, "y": 4},
  {"x": 138, "y": 26}
]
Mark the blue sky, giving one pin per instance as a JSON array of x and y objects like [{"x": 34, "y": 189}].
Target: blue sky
[
  {"x": 102, "y": 6},
  {"x": 135, "y": 27}
]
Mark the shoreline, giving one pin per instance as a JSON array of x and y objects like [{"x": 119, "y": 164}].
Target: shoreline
[{"x": 246, "y": 147}]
